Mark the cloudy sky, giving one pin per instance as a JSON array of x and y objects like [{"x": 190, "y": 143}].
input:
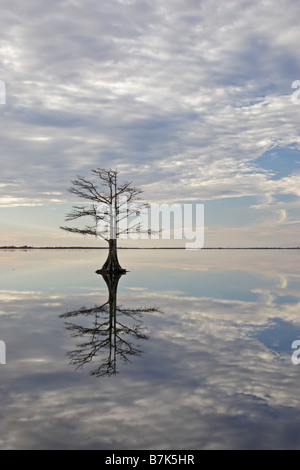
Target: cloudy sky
[{"x": 190, "y": 99}]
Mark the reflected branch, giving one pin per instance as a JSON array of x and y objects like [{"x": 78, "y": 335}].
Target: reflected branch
[{"x": 111, "y": 333}]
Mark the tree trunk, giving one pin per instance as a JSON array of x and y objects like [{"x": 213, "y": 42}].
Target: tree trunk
[{"x": 112, "y": 264}]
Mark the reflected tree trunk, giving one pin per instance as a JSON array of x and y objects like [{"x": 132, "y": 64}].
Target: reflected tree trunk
[
  {"x": 112, "y": 280},
  {"x": 110, "y": 332}
]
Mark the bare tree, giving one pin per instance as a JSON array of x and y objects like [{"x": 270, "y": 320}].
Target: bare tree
[{"x": 111, "y": 204}]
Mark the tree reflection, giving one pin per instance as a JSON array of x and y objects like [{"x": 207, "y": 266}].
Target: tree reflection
[{"x": 111, "y": 333}]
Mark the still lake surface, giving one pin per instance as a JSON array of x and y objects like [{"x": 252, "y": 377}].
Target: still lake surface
[{"x": 193, "y": 351}]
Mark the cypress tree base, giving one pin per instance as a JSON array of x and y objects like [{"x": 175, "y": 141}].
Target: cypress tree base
[{"x": 112, "y": 264}]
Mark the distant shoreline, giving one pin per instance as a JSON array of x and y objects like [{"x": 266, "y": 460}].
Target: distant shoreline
[{"x": 25, "y": 247}]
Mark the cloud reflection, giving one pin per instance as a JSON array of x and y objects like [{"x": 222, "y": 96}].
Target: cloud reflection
[{"x": 210, "y": 377}]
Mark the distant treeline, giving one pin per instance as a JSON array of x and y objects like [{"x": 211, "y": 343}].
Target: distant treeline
[{"x": 25, "y": 247}]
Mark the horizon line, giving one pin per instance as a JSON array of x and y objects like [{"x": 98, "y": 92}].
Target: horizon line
[{"x": 26, "y": 247}]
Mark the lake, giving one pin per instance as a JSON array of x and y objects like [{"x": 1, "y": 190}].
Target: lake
[{"x": 188, "y": 350}]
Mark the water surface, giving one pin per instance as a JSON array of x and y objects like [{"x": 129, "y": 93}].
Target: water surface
[{"x": 198, "y": 355}]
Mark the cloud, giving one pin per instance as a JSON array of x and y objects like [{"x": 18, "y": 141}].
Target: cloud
[{"x": 183, "y": 98}]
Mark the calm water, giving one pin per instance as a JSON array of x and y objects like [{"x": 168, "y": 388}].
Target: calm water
[{"x": 192, "y": 352}]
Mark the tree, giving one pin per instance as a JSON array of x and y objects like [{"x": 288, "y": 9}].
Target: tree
[{"x": 111, "y": 205}]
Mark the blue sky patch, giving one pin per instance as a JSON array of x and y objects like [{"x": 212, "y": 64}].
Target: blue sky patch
[{"x": 280, "y": 162}]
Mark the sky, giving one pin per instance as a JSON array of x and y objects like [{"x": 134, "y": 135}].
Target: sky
[{"x": 194, "y": 101}]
